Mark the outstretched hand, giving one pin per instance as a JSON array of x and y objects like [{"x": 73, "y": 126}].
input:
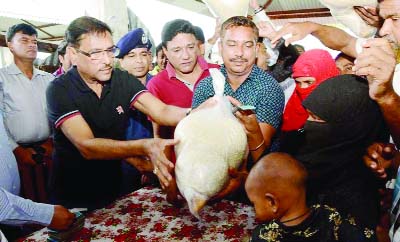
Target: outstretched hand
[
  {"x": 154, "y": 149},
  {"x": 292, "y": 32}
]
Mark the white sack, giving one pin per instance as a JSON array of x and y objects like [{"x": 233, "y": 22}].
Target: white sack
[
  {"x": 343, "y": 12},
  {"x": 211, "y": 141}
]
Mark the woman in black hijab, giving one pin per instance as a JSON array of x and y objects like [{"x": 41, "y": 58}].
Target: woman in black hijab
[{"x": 343, "y": 122}]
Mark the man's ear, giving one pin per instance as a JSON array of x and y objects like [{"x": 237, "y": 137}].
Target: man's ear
[
  {"x": 165, "y": 51},
  {"x": 10, "y": 47},
  {"x": 202, "y": 49},
  {"x": 272, "y": 201},
  {"x": 73, "y": 54},
  {"x": 257, "y": 47},
  {"x": 61, "y": 59}
]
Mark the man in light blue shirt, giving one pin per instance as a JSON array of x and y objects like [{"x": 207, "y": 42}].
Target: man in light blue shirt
[{"x": 15, "y": 210}]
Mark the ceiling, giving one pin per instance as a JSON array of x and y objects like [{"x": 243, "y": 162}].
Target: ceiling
[
  {"x": 280, "y": 11},
  {"x": 49, "y": 34}
]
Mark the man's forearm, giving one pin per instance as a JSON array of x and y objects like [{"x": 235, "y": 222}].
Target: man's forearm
[
  {"x": 391, "y": 112},
  {"x": 170, "y": 115},
  {"x": 108, "y": 149},
  {"x": 335, "y": 38}
]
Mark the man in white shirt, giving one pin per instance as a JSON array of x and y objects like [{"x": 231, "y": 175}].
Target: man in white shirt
[{"x": 23, "y": 97}]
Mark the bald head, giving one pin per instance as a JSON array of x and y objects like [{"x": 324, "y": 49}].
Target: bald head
[
  {"x": 276, "y": 173},
  {"x": 276, "y": 186}
]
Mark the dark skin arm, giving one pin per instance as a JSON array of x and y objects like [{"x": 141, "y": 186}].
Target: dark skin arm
[
  {"x": 331, "y": 37},
  {"x": 259, "y": 135},
  {"x": 79, "y": 133}
]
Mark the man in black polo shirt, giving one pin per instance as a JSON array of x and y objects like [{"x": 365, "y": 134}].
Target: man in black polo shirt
[{"x": 88, "y": 109}]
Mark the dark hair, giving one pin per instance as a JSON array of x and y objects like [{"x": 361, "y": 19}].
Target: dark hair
[
  {"x": 238, "y": 21},
  {"x": 84, "y": 25},
  {"x": 199, "y": 34},
  {"x": 62, "y": 48},
  {"x": 159, "y": 48},
  {"x": 297, "y": 46},
  {"x": 24, "y": 28},
  {"x": 175, "y": 27},
  {"x": 343, "y": 55}
]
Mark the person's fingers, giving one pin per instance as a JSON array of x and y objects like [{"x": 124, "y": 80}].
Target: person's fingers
[
  {"x": 371, "y": 163},
  {"x": 372, "y": 71},
  {"x": 171, "y": 142},
  {"x": 287, "y": 29},
  {"x": 371, "y": 10},
  {"x": 389, "y": 151},
  {"x": 234, "y": 101},
  {"x": 381, "y": 43},
  {"x": 373, "y": 53},
  {"x": 162, "y": 174},
  {"x": 363, "y": 13},
  {"x": 164, "y": 165}
]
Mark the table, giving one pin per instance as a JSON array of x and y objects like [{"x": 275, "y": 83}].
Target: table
[{"x": 145, "y": 215}]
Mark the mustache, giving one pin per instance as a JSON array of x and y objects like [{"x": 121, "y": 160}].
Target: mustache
[
  {"x": 238, "y": 59},
  {"x": 106, "y": 67}
]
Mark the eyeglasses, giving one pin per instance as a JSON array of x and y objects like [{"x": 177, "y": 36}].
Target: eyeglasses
[{"x": 98, "y": 54}]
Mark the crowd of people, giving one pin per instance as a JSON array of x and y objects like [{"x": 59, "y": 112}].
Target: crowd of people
[{"x": 322, "y": 138}]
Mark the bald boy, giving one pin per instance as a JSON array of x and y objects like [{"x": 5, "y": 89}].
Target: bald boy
[{"x": 276, "y": 186}]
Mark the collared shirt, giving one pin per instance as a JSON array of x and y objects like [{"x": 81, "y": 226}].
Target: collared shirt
[
  {"x": 260, "y": 90},
  {"x": 13, "y": 209},
  {"x": 77, "y": 181},
  {"x": 169, "y": 89},
  {"x": 23, "y": 103}
]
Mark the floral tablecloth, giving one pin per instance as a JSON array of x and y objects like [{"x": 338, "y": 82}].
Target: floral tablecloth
[{"x": 145, "y": 215}]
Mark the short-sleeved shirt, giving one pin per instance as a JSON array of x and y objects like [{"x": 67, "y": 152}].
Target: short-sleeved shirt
[
  {"x": 23, "y": 102},
  {"x": 169, "y": 89},
  {"x": 260, "y": 90},
  {"x": 77, "y": 181}
]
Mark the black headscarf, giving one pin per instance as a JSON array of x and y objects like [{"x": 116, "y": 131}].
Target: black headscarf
[
  {"x": 332, "y": 151},
  {"x": 352, "y": 122}
]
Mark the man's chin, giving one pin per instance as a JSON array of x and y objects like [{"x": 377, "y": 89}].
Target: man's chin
[
  {"x": 240, "y": 71},
  {"x": 104, "y": 77}
]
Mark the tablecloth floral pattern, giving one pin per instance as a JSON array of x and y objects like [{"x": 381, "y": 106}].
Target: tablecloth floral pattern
[{"x": 145, "y": 215}]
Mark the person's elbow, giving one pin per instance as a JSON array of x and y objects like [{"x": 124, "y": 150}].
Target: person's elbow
[
  {"x": 167, "y": 115},
  {"x": 85, "y": 149}
]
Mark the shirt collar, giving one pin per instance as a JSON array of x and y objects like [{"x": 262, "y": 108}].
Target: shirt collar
[
  {"x": 81, "y": 84},
  {"x": 14, "y": 70},
  {"x": 200, "y": 61}
]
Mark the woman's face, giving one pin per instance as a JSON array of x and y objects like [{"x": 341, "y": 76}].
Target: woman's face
[{"x": 304, "y": 82}]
